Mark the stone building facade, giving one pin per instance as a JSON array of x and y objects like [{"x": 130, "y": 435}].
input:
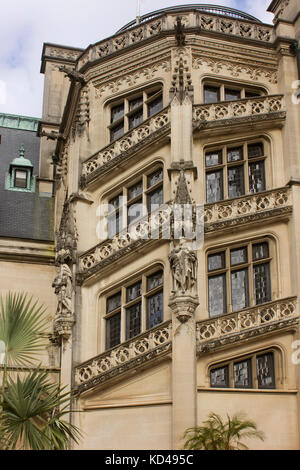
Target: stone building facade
[{"x": 173, "y": 152}]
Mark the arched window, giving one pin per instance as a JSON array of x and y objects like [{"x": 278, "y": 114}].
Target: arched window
[
  {"x": 236, "y": 169},
  {"x": 134, "y": 307},
  {"x": 251, "y": 371},
  {"x": 130, "y": 111},
  {"x": 239, "y": 276}
]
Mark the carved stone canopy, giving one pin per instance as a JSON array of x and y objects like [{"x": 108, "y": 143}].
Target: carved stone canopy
[
  {"x": 182, "y": 193},
  {"x": 66, "y": 239}
]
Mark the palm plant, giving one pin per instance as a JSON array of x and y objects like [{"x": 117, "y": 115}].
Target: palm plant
[
  {"x": 216, "y": 434},
  {"x": 32, "y": 406}
]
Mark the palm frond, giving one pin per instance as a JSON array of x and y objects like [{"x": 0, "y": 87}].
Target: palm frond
[{"x": 23, "y": 326}]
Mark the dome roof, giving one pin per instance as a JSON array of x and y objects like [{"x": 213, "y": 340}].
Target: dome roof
[{"x": 217, "y": 9}]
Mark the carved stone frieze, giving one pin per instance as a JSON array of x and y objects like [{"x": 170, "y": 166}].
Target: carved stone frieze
[
  {"x": 237, "y": 326},
  {"x": 145, "y": 347},
  {"x": 236, "y": 68},
  {"x": 138, "y": 136},
  {"x": 130, "y": 79}
]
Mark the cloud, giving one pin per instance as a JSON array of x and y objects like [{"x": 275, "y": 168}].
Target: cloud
[{"x": 25, "y": 26}]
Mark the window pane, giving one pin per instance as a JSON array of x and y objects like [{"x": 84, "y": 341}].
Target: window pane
[
  {"x": 216, "y": 261},
  {"x": 113, "y": 302},
  {"x": 114, "y": 203},
  {"x": 235, "y": 154},
  {"x": 219, "y": 377},
  {"x": 255, "y": 150},
  {"x": 155, "y": 177},
  {"x": 135, "y": 119},
  {"x": 135, "y": 190},
  {"x": 260, "y": 251},
  {"x": 217, "y": 295},
  {"x": 154, "y": 310},
  {"x": 113, "y": 331},
  {"x": 134, "y": 212},
  {"x": 236, "y": 181},
  {"x": 262, "y": 287},
  {"x": 213, "y": 158},
  {"x": 20, "y": 179},
  {"x": 154, "y": 199},
  {"x": 214, "y": 186},
  {"x": 133, "y": 320},
  {"x": 154, "y": 280},
  {"x": 257, "y": 177},
  {"x": 117, "y": 132},
  {"x": 231, "y": 95},
  {"x": 265, "y": 371},
  {"x": 242, "y": 374},
  {"x": 251, "y": 94},
  {"x": 117, "y": 112},
  {"x": 114, "y": 224},
  {"x": 133, "y": 291},
  {"x": 155, "y": 106},
  {"x": 135, "y": 103},
  {"x": 211, "y": 94},
  {"x": 239, "y": 289},
  {"x": 238, "y": 256}
]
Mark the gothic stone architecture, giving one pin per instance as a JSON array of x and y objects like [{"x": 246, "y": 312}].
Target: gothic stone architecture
[{"x": 189, "y": 111}]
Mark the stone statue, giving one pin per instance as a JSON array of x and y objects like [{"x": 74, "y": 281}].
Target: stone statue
[
  {"x": 62, "y": 285},
  {"x": 183, "y": 264}
]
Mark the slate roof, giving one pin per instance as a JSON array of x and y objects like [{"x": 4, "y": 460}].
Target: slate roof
[{"x": 22, "y": 214}]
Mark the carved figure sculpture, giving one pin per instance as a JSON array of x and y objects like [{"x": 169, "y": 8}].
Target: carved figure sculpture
[
  {"x": 62, "y": 285},
  {"x": 183, "y": 264}
]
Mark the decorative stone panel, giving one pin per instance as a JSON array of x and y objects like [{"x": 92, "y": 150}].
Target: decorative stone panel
[
  {"x": 236, "y": 326},
  {"x": 129, "y": 355}
]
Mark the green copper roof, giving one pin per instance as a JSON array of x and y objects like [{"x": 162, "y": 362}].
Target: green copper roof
[
  {"x": 21, "y": 161},
  {"x": 24, "y": 123}
]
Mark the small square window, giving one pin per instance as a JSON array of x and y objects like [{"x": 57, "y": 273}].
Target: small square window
[
  {"x": 220, "y": 377},
  {"x": 20, "y": 179},
  {"x": 211, "y": 94}
]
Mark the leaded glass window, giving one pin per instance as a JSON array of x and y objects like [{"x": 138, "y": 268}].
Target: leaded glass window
[
  {"x": 219, "y": 377},
  {"x": 265, "y": 371},
  {"x": 20, "y": 180},
  {"x": 238, "y": 277},
  {"x": 214, "y": 92},
  {"x": 133, "y": 318},
  {"x": 252, "y": 371},
  {"x": 113, "y": 331},
  {"x": 136, "y": 307},
  {"x": 132, "y": 111},
  {"x": 242, "y": 374},
  {"x": 135, "y": 201},
  {"x": 235, "y": 171}
]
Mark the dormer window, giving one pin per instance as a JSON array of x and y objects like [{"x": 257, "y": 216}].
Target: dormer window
[
  {"x": 20, "y": 176},
  {"x": 20, "y": 179}
]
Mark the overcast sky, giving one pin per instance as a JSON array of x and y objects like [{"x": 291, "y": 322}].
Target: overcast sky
[{"x": 26, "y": 25}]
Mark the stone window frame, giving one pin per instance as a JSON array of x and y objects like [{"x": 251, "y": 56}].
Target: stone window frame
[
  {"x": 244, "y": 88},
  {"x": 224, "y": 166},
  {"x": 123, "y": 191},
  {"x": 155, "y": 91},
  {"x": 125, "y": 304},
  {"x": 226, "y": 271},
  {"x": 251, "y": 358}
]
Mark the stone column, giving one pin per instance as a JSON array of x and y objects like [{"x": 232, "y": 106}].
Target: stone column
[{"x": 183, "y": 303}]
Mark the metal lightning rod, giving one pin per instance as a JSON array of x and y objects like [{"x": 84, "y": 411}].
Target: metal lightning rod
[{"x": 138, "y": 12}]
